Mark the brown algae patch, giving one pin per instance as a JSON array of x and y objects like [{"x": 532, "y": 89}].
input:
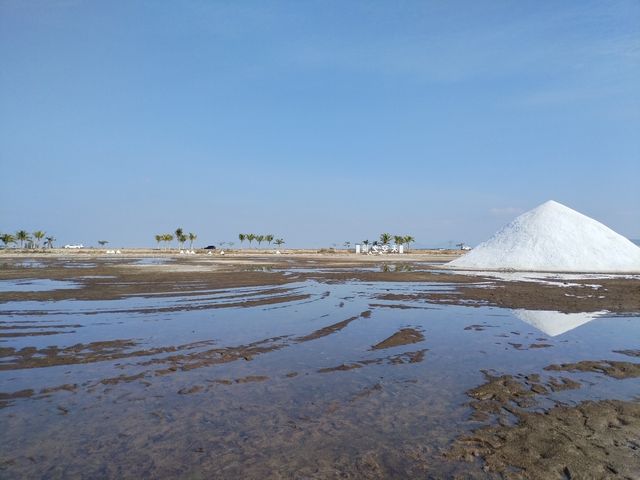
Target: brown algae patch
[
  {"x": 613, "y": 295},
  {"x": 479, "y": 328},
  {"x": 399, "y": 359},
  {"x": 6, "y": 398},
  {"x": 497, "y": 394},
  {"x": 404, "y": 336},
  {"x": 34, "y": 334},
  {"x": 216, "y": 356},
  {"x": 331, "y": 329},
  {"x": 611, "y": 368},
  {"x": 520, "y": 346},
  {"x": 629, "y": 353},
  {"x": 31, "y": 357},
  {"x": 591, "y": 440},
  {"x": 588, "y": 440}
]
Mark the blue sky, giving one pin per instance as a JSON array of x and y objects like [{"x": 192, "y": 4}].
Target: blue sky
[{"x": 317, "y": 121}]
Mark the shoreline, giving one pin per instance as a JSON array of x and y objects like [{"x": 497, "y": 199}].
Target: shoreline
[
  {"x": 108, "y": 277},
  {"x": 16, "y": 252}
]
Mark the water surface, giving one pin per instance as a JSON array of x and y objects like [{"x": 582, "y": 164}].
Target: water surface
[{"x": 206, "y": 385}]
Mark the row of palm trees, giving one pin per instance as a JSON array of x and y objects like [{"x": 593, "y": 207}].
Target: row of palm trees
[
  {"x": 33, "y": 240},
  {"x": 24, "y": 238},
  {"x": 250, "y": 237},
  {"x": 179, "y": 235},
  {"x": 385, "y": 239}
]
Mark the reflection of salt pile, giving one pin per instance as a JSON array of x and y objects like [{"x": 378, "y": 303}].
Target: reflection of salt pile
[
  {"x": 555, "y": 323},
  {"x": 554, "y": 238}
]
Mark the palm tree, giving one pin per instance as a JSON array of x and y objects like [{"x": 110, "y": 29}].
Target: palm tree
[
  {"x": 49, "y": 241},
  {"x": 399, "y": 239},
  {"x": 22, "y": 236},
  {"x": 241, "y": 237},
  {"x": 408, "y": 239},
  {"x": 7, "y": 238},
  {"x": 167, "y": 237},
  {"x": 251, "y": 237},
  {"x": 179, "y": 232},
  {"x": 181, "y": 239},
  {"x": 259, "y": 239},
  {"x": 279, "y": 241},
  {"x": 269, "y": 239},
  {"x": 192, "y": 237},
  {"x": 365, "y": 242},
  {"x": 103, "y": 242},
  {"x": 385, "y": 238},
  {"x": 38, "y": 235},
  {"x": 159, "y": 238},
  {"x": 347, "y": 244}
]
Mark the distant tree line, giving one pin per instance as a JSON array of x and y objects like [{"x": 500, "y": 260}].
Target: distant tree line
[
  {"x": 179, "y": 235},
  {"x": 251, "y": 237},
  {"x": 24, "y": 239},
  {"x": 385, "y": 239}
]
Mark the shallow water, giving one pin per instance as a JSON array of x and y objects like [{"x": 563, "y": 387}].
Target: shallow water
[
  {"x": 199, "y": 386},
  {"x": 152, "y": 261},
  {"x": 35, "y": 285},
  {"x": 27, "y": 263}
]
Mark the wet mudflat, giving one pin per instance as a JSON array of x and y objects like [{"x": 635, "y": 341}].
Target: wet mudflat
[{"x": 313, "y": 369}]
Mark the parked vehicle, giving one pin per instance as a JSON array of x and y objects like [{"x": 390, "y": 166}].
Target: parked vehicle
[
  {"x": 210, "y": 247},
  {"x": 79, "y": 245}
]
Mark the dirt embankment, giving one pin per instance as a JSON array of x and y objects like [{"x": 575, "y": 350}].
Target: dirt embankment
[
  {"x": 596, "y": 440},
  {"x": 613, "y": 295},
  {"x": 404, "y": 336},
  {"x": 106, "y": 278},
  {"x": 593, "y": 439}
]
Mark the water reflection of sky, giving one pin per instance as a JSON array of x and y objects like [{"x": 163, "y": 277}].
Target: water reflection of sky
[
  {"x": 152, "y": 261},
  {"x": 155, "y": 321},
  {"x": 402, "y": 402},
  {"x": 35, "y": 285},
  {"x": 556, "y": 323}
]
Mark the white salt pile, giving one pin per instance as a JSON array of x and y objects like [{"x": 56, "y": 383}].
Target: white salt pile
[
  {"x": 555, "y": 323},
  {"x": 554, "y": 238}
]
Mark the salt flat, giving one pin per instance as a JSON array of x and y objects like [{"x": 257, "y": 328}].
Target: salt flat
[{"x": 273, "y": 366}]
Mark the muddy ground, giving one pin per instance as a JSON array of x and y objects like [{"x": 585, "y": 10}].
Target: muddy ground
[
  {"x": 516, "y": 428},
  {"x": 110, "y": 278},
  {"x": 593, "y": 439}
]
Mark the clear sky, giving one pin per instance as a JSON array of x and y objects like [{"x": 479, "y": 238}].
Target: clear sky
[{"x": 317, "y": 121}]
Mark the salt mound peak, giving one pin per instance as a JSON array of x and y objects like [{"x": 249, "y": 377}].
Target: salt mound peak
[
  {"x": 555, "y": 323},
  {"x": 554, "y": 238}
]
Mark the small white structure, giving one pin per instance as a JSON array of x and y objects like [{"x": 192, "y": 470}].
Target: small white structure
[{"x": 379, "y": 249}]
